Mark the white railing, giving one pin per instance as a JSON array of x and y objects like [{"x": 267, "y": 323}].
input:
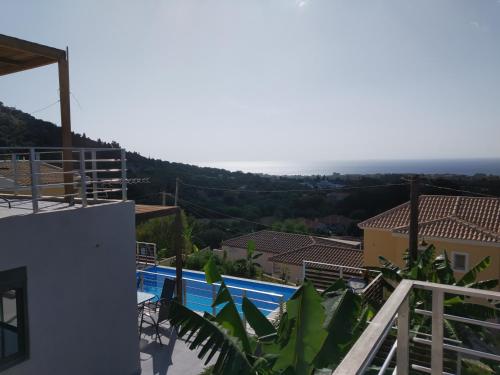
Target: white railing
[
  {"x": 200, "y": 296},
  {"x": 81, "y": 175},
  {"x": 396, "y": 311}
]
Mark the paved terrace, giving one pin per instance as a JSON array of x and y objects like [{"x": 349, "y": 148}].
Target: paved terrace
[{"x": 172, "y": 358}]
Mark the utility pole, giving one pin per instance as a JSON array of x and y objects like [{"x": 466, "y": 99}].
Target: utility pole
[
  {"x": 413, "y": 236},
  {"x": 176, "y": 198}
]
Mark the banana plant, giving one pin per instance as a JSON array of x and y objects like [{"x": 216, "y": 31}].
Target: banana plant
[
  {"x": 438, "y": 269},
  {"x": 315, "y": 331}
]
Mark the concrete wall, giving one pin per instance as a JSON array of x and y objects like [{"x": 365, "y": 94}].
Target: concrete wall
[
  {"x": 81, "y": 288},
  {"x": 235, "y": 253},
  {"x": 379, "y": 242}
]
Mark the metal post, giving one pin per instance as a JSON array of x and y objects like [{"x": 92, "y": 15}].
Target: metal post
[
  {"x": 124, "y": 174},
  {"x": 184, "y": 293},
  {"x": 243, "y": 296},
  {"x": 303, "y": 270},
  {"x": 14, "y": 172},
  {"x": 141, "y": 282},
  {"x": 83, "y": 179},
  {"x": 34, "y": 180},
  {"x": 214, "y": 296},
  {"x": 413, "y": 235},
  {"x": 341, "y": 273},
  {"x": 281, "y": 306},
  {"x": 403, "y": 342},
  {"x": 437, "y": 332},
  {"x": 93, "y": 156},
  {"x": 176, "y": 198},
  {"x": 163, "y": 198}
]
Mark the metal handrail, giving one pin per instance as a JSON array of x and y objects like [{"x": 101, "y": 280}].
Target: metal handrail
[
  {"x": 396, "y": 307},
  {"x": 91, "y": 179}
]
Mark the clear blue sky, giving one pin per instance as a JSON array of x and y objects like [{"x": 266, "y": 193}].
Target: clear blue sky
[{"x": 207, "y": 80}]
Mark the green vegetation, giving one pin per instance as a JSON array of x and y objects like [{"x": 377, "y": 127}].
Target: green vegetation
[
  {"x": 215, "y": 210},
  {"x": 437, "y": 269},
  {"x": 315, "y": 332}
]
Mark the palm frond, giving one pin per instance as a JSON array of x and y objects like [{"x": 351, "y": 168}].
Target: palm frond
[
  {"x": 471, "y": 276},
  {"x": 212, "y": 338}
]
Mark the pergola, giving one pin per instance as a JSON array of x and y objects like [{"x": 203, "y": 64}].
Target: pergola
[{"x": 17, "y": 55}]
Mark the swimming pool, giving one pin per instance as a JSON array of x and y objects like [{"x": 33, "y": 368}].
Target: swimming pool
[{"x": 199, "y": 295}]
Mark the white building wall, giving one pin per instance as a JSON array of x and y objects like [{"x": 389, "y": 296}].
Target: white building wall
[{"x": 82, "y": 307}]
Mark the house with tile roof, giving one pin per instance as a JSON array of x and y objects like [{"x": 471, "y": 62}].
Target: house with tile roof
[
  {"x": 468, "y": 228},
  {"x": 285, "y": 252}
]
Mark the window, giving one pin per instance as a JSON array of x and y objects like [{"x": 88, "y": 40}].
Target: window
[
  {"x": 460, "y": 261},
  {"x": 13, "y": 317}
]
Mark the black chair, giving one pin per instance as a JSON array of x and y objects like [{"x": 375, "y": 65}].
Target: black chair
[{"x": 154, "y": 313}]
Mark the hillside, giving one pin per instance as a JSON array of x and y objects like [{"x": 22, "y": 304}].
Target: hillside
[{"x": 237, "y": 208}]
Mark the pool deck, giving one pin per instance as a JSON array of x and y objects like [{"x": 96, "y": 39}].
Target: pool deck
[{"x": 172, "y": 358}]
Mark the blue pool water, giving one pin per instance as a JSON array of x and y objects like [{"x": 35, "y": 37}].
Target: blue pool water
[{"x": 266, "y": 296}]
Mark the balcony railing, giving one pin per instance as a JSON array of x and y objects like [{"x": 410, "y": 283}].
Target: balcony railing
[
  {"x": 395, "y": 315},
  {"x": 75, "y": 175}
]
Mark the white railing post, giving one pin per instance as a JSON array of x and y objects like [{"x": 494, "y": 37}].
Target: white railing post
[
  {"x": 437, "y": 332},
  {"x": 93, "y": 156},
  {"x": 83, "y": 179},
  {"x": 281, "y": 306},
  {"x": 123, "y": 159},
  {"x": 14, "y": 172},
  {"x": 34, "y": 180},
  {"x": 303, "y": 270},
  {"x": 403, "y": 342},
  {"x": 214, "y": 296},
  {"x": 341, "y": 273}
]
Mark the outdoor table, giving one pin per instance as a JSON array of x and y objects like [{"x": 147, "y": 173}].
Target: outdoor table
[{"x": 143, "y": 297}]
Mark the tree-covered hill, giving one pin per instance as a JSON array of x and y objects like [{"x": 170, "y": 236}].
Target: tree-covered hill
[{"x": 309, "y": 203}]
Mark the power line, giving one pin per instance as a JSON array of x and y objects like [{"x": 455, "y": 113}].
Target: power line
[
  {"x": 46, "y": 107},
  {"x": 460, "y": 191},
  {"x": 290, "y": 190},
  {"x": 223, "y": 214}
]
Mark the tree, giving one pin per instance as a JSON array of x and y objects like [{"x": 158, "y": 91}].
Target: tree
[
  {"x": 315, "y": 332},
  {"x": 248, "y": 267}
]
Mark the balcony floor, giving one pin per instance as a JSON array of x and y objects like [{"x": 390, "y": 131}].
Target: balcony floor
[{"x": 172, "y": 358}]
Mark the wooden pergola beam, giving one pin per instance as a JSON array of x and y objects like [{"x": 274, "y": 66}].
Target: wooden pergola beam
[
  {"x": 17, "y": 55},
  {"x": 34, "y": 48}
]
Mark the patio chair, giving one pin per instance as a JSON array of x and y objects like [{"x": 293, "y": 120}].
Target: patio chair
[{"x": 156, "y": 312}]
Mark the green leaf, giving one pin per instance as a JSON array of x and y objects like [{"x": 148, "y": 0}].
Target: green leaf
[
  {"x": 212, "y": 338},
  {"x": 342, "y": 312},
  {"x": 443, "y": 269},
  {"x": 305, "y": 316},
  {"x": 229, "y": 318},
  {"x": 260, "y": 324},
  {"x": 339, "y": 284},
  {"x": 212, "y": 274},
  {"x": 250, "y": 248},
  {"x": 471, "y": 276},
  {"x": 484, "y": 284}
]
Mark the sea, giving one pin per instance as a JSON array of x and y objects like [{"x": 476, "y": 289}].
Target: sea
[{"x": 469, "y": 167}]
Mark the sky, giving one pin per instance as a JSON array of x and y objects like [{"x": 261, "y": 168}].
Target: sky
[{"x": 264, "y": 80}]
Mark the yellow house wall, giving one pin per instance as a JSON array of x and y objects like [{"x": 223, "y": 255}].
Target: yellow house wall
[{"x": 385, "y": 243}]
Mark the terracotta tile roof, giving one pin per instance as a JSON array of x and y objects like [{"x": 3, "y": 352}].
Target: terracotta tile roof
[
  {"x": 324, "y": 254},
  {"x": 278, "y": 242},
  {"x": 455, "y": 217}
]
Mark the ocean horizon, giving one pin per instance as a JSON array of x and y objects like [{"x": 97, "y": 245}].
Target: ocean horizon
[{"x": 469, "y": 167}]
